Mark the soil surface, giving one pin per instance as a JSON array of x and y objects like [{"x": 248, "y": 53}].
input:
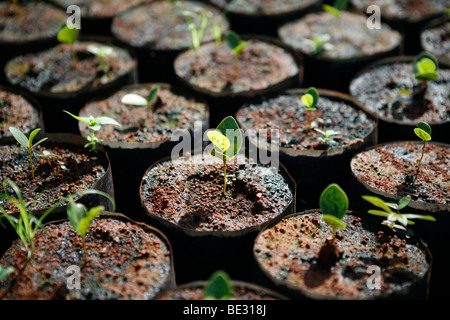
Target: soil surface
[
  {"x": 241, "y": 291},
  {"x": 436, "y": 40},
  {"x": 17, "y": 111},
  {"x": 411, "y": 10},
  {"x": 286, "y": 117},
  {"x": 391, "y": 91},
  {"x": 300, "y": 252},
  {"x": 363, "y": 41},
  {"x": 161, "y": 25},
  {"x": 124, "y": 262},
  {"x": 30, "y": 20},
  {"x": 214, "y": 68},
  {"x": 54, "y": 71},
  {"x": 171, "y": 111},
  {"x": 267, "y": 7},
  {"x": 391, "y": 168},
  {"x": 67, "y": 170},
  {"x": 188, "y": 193}
]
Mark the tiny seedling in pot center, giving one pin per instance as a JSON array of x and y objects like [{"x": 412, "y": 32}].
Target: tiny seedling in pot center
[
  {"x": 102, "y": 52},
  {"x": 425, "y": 68},
  {"x": 310, "y": 99},
  {"x": 69, "y": 36},
  {"x": 137, "y": 100},
  {"x": 334, "y": 204},
  {"x": 234, "y": 43},
  {"x": 327, "y": 140},
  {"x": 95, "y": 124},
  {"x": 218, "y": 287},
  {"x": 27, "y": 143},
  {"x": 423, "y": 131},
  {"x": 227, "y": 141}
]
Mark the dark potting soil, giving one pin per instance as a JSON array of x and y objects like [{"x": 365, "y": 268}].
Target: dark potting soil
[
  {"x": 300, "y": 252},
  {"x": 241, "y": 291},
  {"x": 391, "y": 91},
  {"x": 213, "y": 68},
  {"x": 16, "y": 111},
  {"x": 188, "y": 193},
  {"x": 363, "y": 41},
  {"x": 65, "y": 171},
  {"x": 54, "y": 71},
  {"x": 285, "y": 116},
  {"x": 267, "y": 7},
  {"x": 124, "y": 262},
  {"x": 29, "y": 20},
  {"x": 391, "y": 168},
  {"x": 172, "y": 111},
  {"x": 437, "y": 41},
  {"x": 411, "y": 10},
  {"x": 162, "y": 26}
]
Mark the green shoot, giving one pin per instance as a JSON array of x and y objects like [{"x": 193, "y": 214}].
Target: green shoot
[
  {"x": 227, "y": 141},
  {"x": 81, "y": 218},
  {"x": 235, "y": 44},
  {"x": 27, "y": 143},
  {"x": 319, "y": 43},
  {"x": 310, "y": 100},
  {"x": 4, "y": 272},
  {"x": 326, "y": 140},
  {"x": 102, "y": 52},
  {"x": 337, "y": 7},
  {"x": 95, "y": 124},
  {"x": 218, "y": 287},
  {"x": 69, "y": 36},
  {"x": 138, "y": 100},
  {"x": 423, "y": 131},
  {"x": 334, "y": 205},
  {"x": 394, "y": 216},
  {"x": 425, "y": 67}
]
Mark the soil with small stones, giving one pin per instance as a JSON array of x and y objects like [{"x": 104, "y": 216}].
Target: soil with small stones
[
  {"x": 392, "y": 168},
  {"x": 436, "y": 40},
  {"x": 67, "y": 170},
  {"x": 213, "y": 68},
  {"x": 391, "y": 91},
  {"x": 241, "y": 291},
  {"x": 411, "y": 10},
  {"x": 54, "y": 71},
  {"x": 189, "y": 193},
  {"x": 267, "y": 7},
  {"x": 362, "y": 43},
  {"x": 285, "y": 117},
  {"x": 171, "y": 111},
  {"x": 31, "y": 20},
  {"x": 300, "y": 252},
  {"x": 161, "y": 25},
  {"x": 124, "y": 262},
  {"x": 16, "y": 111}
]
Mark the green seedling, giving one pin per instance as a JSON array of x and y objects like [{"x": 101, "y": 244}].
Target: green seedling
[
  {"x": 27, "y": 143},
  {"x": 197, "y": 33},
  {"x": 423, "y": 131},
  {"x": 326, "y": 140},
  {"x": 218, "y": 287},
  {"x": 319, "y": 43},
  {"x": 81, "y": 217},
  {"x": 227, "y": 141},
  {"x": 102, "y": 52},
  {"x": 425, "y": 67},
  {"x": 95, "y": 124},
  {"x": 138, "y": 100},
  {"x": 395, "y": 216},
  {"x": 310, "y": 99},
  {"x": 337, "y": 7},
  {"x": 69, "y": 36},
  {"x": 5, "y": 271},
  {"x": 334, "y": 205},
  {"x": 236, "y": 44}
]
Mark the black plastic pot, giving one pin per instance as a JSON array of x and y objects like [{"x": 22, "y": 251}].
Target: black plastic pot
[
  {"x": 435, "y": 234},
  {"x": 417, "y": 291},
  {"x": 104, "y": 184},
  {"x": 444, "y": 61},
  {"x": 313, "y": 170},
  {"x": 223, "y": 104},
  {"x": 392, "y": 129},
  {"x": 200, "y": 253}
]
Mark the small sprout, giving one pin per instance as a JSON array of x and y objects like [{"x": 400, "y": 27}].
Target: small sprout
[
  {"x": 197, "y": 33},
  {"x": 234, "y": 43},
  {"x": 5, "y": 271},
  {"x": 102, "y": 52},
  {"x": 227, "y": 141},
  {"x": 319, "y": 43},
  {"x": 69, "y": 36},
  {"x": 423, "y": 131},
  {"x": 326, "y": 140},
  {"x": 334, "y": 205},
  {"x": 47, "y": 154},
  {"x": 27, "y": 143},
  {"x": 81, "y": 218},
  {"x": 95, "y": 124},
  {"x": 218, "y": 287},
  {"x": 337, "y": 7},
  {"x": 310, "y": 100},
  {"x": 138, "y": 100},
  {"x": 425, "y": 67},
  {"x": 392, "y": 217}
]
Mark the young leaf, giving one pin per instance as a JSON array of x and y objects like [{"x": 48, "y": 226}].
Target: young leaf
[
  {"x": 230, "y": 129},
  {"x": 19, "y": 136},
  {"x": 106, "y": 120},
  {"x": 67, "y": 35},
  {"x": 377, "y": 202},
  {"x": 425, "y": 127},
  {"x": 422, "y": 134},
  {"x": 221, "y": 142},
  {"x": 333, "y": 201},
  {"x": 403, "y": 203},
  {"x": 308, "y": 100},
  {"x": 153, "y": 94},
  {"x": 425, "y": 67},
  {"x": 218, "y": 287},
  {"x": 4, "y": 272},
  {"x": 315, "y": 94},
  {"x": 134, "y": 99},
  {"x": 333, "y": 221}
]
